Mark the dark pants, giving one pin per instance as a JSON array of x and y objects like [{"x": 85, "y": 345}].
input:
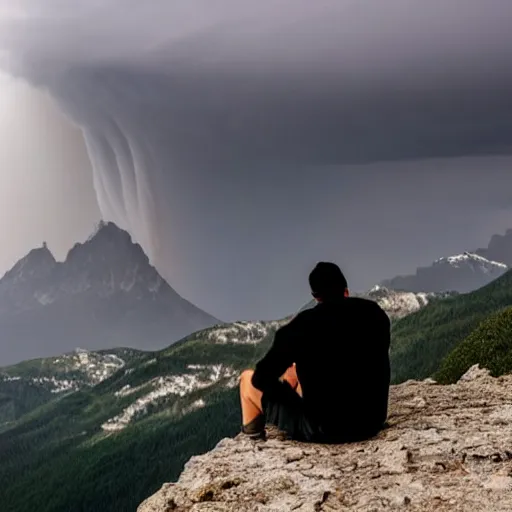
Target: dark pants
[{"x": 289, "y": 415}]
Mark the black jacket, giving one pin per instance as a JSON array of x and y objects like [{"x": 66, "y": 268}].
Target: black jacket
[{"x": 341, "y": 351}]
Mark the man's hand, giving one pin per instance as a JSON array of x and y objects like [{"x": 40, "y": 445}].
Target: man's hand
[{"x": 290, "y": 376}]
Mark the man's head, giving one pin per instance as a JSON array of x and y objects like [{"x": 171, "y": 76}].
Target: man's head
[{"x": 327, "y": 282}]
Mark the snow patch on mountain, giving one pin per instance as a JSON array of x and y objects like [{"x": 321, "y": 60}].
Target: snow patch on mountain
[
  {"x": 198, "y": 404},
  {"x": 52, "y": 384},
  {"x": 128, "y": 390},
  {"x": 57, "y": 386},
  {"x": 69, "y": 372},
  {"x": 94, "y": 366},
  {"x": 246, "y": 333},
  {"x": 473, "y": 260},
  {"x": 174, "y": 385},
  {"x": 398, "y": 304}
]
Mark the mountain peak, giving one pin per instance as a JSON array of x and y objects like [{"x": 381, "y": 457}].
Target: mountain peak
[
  {"x": 40, "y": 255},
  {"x": 112, "y": 242},
  {"x": 109, "y": 231},
  {"x": 104, "y": 294},
  {"x": 470, "y": 258},
  {"x": 37, "y": 263},
  {"x": 109, "y": 261}
]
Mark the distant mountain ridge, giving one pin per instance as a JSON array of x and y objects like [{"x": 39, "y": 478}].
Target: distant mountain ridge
[
  {"x": 499, "y": 248},
  {"x": 461, "y": 273},
  {"x": 105, "y": 294}
]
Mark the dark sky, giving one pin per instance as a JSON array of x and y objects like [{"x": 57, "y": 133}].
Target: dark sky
[{"x": 241, "y": 142}]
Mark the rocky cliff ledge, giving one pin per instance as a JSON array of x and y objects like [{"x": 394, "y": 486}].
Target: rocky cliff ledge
[{"x": 447, "y": 448}]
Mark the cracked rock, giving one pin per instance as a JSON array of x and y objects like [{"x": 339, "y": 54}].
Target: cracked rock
[{"x": 447, "y": 449}]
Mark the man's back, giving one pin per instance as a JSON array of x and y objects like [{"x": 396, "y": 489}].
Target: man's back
[
  {"x": 343, "y": 364},
  {"x": 341, "y": 351}
]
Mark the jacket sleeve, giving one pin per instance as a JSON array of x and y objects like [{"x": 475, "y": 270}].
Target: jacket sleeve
[{"x": 277, "y": 360}]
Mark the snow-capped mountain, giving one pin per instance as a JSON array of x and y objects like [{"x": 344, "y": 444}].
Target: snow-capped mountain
[
  {"x": 105, "y": 294},
  {"x": 462, "y": 273},
  {"x": 473, "y": 261}
]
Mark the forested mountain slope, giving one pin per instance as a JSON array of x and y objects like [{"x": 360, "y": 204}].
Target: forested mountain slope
[
  {"x": 29, "y": 384},
  {"x": 490, "y": 346},
  {"x": 422, "y": 340},
  {"x": 107, "y": 447}
]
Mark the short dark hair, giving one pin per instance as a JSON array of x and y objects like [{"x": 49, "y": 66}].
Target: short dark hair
[{"x": 327, "y": 280}]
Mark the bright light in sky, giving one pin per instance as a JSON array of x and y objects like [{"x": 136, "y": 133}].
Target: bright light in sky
[{"x": 45, "y": 178}]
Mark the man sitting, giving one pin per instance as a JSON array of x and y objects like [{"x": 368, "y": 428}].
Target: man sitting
[{"x": 326, "y": 377}]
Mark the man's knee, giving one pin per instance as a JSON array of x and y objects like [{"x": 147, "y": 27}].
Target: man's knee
[{"x": 246, "y": 378}]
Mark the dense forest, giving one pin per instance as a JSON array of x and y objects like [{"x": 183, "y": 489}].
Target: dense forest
[{"x": 109, "y": 473}]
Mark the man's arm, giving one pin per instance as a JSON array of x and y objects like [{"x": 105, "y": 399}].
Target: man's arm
[{"x": 278, "y": 359}]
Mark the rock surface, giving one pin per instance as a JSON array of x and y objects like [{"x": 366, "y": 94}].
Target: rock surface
[{"x": 447, "y": 448}]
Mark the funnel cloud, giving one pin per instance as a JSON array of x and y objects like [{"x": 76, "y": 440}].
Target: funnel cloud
[{"x": 240, "y": 142}]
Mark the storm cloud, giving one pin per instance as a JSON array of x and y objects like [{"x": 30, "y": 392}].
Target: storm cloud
[{"x": 192, "y": 108}]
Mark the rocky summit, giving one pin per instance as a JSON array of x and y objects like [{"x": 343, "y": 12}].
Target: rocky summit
[
  {"x": 446, "y": 448},
  {"x": 104, "y": 294}
]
